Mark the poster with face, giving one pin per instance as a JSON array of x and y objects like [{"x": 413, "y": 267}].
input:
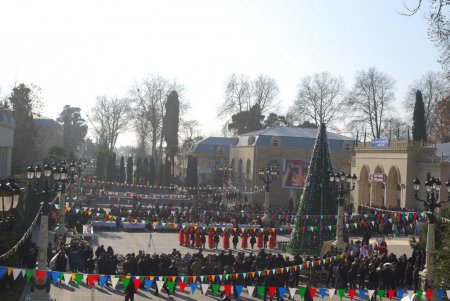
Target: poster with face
[{"x": 294, "y": 173}]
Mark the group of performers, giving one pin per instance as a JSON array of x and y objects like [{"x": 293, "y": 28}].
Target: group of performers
[{"x": 198, "y": 238}]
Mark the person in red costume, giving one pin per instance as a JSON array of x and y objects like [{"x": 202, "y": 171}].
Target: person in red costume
[
  {"x": 211, "y": 239},
  {"x": 198, "y": 242},
  {"x": 226, "y": 240},
  {"x": 186, "y": 238},
  {"x": 272, "y": 240},
  {"x": 244, "y": 241},
  {"x": 181, "y": 237},
  {"x": 260, "y": 241},
  {"x": 382, "y": 248}
]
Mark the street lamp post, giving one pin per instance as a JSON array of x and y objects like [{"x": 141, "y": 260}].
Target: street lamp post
[
  {"x": 9, "y": 198},
  {"x": 225, "y": 170},
  {"x": 268, "y": 175},
  {"x": 431, "y": 202},
  {"x": 345, "y": 184},
  {"x": 40, "y": 290},
  {"x": 61, "y": 229}
]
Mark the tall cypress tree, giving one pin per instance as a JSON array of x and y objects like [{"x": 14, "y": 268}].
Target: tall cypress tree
[
  {"x": 122, "y": 175},
  {"x": 130, "y": 170},
  {"x": 170, "y": 126},
  {"x": 194, "y": 172},
  {"x": 100, "y": 167},
  {"x": 167, "y": 173},
  {"x": 419, "y": 128},
  {"x": 152, "y": 172},
  {"x": 111, "y": 168},
  {"x": 138, "y": 174},
  {"x": 145, "y": 173},
  {"x": 319, "y": 198},
  {"x": 161, "y": 174}
]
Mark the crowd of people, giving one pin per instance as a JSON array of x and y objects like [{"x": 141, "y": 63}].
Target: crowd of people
[{"x": 367, "y": 267}]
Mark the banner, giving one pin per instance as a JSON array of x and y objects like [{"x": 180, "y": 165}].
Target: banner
[{"x": 294, "y": 173}]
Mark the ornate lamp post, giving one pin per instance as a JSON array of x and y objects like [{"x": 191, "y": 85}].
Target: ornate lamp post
[
  {"x": 431, "y": 202},
  {"x": 40, "y": 290},
  {"x": 9, "y": 198},
  {"x": 345, "y": 184},
  {"x": 61, "y": 174},
  {"x": 268, "y": 175},
  {"x": 225, "y": 169}
]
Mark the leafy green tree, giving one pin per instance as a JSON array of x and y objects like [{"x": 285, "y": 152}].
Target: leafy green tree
[
  {"x": 247, "y": 121},
  {"x": 130, "y": 170},
  {"x": 24, "y": 151},
  {"x": 274, "y": 120},
  {"x": 171, "y": 125},
  {"x": 74, "y": 127},
  {"x": 419, "y": 129},
  {"x": 152, "y": 172},
  {"x": 440, "y": 272},
  {"x": 56, "y": 154},
  {"x": 122, "y": 175}
]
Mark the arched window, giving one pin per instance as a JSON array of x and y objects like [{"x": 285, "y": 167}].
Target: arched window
[
  {"x": 240, "y": 168},
  {"x": 247, "y": 168}
]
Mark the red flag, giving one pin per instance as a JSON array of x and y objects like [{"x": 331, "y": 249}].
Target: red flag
[
  {"x": 429, "y": 294},
  {"x": 351, "y": 293},
  {"x": 312, "y": 292},
  {"x": 137, "y": 283},
  {"x": 40, "y": 275},
  {"x": 391, "y": 294},
  {"x": 182, "y": 286},
  {"x": 272, "y": 290},
  {"x": 227, "y": 288}
]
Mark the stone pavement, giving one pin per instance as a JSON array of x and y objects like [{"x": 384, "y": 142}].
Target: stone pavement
[{"x": 164, "y": 242}]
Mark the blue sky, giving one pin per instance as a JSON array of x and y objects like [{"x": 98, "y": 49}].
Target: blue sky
[{"x": 78, "y": 50}]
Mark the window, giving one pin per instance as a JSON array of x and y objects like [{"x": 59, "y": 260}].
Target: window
[
  {"x": 347, "y": 146},
  {"x": 240, "y": 168},
  {"x": 274, "y": 142}
]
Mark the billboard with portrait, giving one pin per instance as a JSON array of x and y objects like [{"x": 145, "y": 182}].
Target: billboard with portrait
[{"x": 295, "y": 173}]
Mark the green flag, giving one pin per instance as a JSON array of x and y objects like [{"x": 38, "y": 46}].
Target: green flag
[
  {"x": 29, "y": 274},
  {"x": 341, "y": 292},
  {"x": 78, "y": 278},
  {"x": 381, "y": 294},
  {"x": 170, "y": 286},
  {"x": 261, "y": 291},
  {"x": 215, "y": 288},
  {"x": 125, "y": 282},
  {"x": 302, "y": 291}
]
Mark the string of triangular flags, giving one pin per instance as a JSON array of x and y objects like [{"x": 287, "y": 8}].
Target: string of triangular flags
[
  {"x": 29, "y": 231},
  {"x": 151, "y": 196},
  {"x": 196, "y": 283},
  {"x": 286, "y": 228},
  {"x": 239, "y": 188}
]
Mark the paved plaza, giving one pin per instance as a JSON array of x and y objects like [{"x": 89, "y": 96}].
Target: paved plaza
[{"x": 164, "y": 242}]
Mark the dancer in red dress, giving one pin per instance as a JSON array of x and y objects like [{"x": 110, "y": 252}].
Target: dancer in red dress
[
  {"x": 244, "y": 243},
  {"x": 272, "y": 240},
  {"x": 226, "y": 240},
  {"x": 210, "y": 239},
  {"x": 198, "y": 241},
  {"x": 181, "y": 237},
  {"x": 186, "y": 238},
  {"x": 260, "y": 241}
]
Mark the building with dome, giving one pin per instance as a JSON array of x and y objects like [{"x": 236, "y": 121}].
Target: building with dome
[{"x": 49, "y": 134}]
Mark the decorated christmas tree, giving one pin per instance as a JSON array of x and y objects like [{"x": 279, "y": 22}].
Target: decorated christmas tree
[{"x": 318, "y": 203}]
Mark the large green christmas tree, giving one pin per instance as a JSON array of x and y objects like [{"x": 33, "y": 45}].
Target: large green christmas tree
[{"x": 319, "y": 198}]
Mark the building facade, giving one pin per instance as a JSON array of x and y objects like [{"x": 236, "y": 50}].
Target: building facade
[
  {"x": 210, "y": 153},
  {"x": 49, "y": 134},
  {"x": 385, "y": 174},
  {"x": 290, "y": 148},
  {"x": 7, "y": 125}
]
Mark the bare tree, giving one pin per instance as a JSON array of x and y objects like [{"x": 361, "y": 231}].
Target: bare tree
[
  {"x": 242, "y": 93},
  {"x": 150, "y": 96},
  {"x": 237, "y": 95},
  {"x": 265, "y": 93},
  {"x": 109, "y": 118},
  {"x": 370, "y": 98},
  {"x": 438, "y": 17},
  {"x": 434, "y": 88},
  {"x": 320, "y": 98}
]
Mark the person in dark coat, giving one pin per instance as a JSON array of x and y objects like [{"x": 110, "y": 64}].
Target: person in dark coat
[
  {"x": 409, "y": 275},
  {"x": 129, "y": 292},
  {"x": 252, "y": 240},
  {"x": 235, "y": 241}
]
